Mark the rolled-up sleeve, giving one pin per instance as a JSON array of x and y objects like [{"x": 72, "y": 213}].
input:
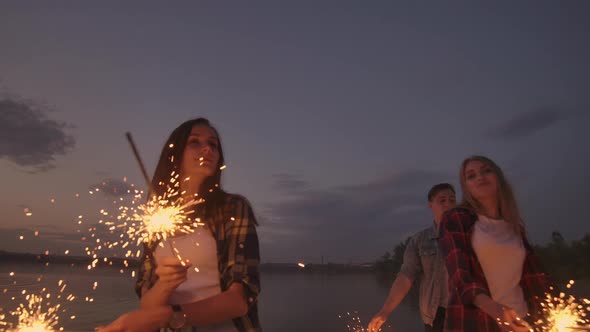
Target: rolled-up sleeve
[
  {"x": 242, "y": 249},
  {"x": 454, "y": 241}
]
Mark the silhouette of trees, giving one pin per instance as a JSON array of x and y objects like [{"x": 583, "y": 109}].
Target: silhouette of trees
[{"x": 562, "y": 259}]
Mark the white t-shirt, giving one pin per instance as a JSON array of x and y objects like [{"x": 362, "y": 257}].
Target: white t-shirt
[
  {"x": 200, "y": 249},
  {"x": 501, "y": 254}
]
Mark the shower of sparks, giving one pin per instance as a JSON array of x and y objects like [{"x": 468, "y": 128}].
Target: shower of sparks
[
  {"x": 565, "y": 313},
  {"x": 37, "y": 314},
  {"x": 133, "y": 223},
  {"x": 353, "y": 322},
  {"x": 33, "y": 317},
  {"x": 157, "y": 222},
  {"x": 161, "y": 217}
]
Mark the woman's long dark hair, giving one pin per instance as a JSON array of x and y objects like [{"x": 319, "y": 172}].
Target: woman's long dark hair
[{"x": 171, "y": 161}]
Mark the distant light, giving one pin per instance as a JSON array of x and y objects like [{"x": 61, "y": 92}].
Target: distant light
[{"x": 301, "y": 265}]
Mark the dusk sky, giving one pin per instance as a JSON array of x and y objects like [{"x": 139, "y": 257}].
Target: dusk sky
[{"x": 336, "y": 117}]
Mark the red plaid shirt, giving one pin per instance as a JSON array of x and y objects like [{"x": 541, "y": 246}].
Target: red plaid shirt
[{"x": 467, "y": 280}]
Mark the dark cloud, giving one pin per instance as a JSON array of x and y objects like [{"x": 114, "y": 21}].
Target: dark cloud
[
  {"x": 28, "y": 137},
  {"x": 289, "y": 183},
  {"x": 528, "y": 123},
  {"x": 114, "y": 187},
  {"x": 359, "y": 221}
]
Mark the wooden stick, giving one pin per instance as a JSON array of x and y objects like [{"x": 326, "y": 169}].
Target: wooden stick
[{"x": 138, "y": 158}]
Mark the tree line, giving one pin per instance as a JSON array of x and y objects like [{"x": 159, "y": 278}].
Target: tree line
[{"x": 562, "y": 259}]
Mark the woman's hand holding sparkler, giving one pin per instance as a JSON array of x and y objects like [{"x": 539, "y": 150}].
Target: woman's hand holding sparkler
[
  {"x": 510, "y": 321},
  {"x": 171, "y": 272}
]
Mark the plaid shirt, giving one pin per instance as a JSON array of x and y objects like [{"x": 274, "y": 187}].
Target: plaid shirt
[
  {"x": 237, "y": 255},
  {"x": 467, "y": 280}
]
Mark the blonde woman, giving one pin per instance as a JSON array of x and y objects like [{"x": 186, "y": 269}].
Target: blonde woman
[{"x": 495, "y": 280}]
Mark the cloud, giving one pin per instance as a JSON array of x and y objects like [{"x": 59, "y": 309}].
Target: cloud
[
  {"x": 28, "y": 137},
  {"x": 289, "y": 183},
  {"x": 528, "y": 123},
  {"x": 313, "y": 223},
  {"x": 114, "y": 187}
]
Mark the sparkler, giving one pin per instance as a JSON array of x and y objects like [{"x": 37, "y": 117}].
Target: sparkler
[
  {"x": 353, "y": 322},
  {"x": 161, "y": 217},
  {"x": 36, "y": 315},
  {"x": 138, "y": 158},
  {"x": 565, "y": 313}
]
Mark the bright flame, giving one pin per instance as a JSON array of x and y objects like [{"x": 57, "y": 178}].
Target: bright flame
[
  {"x": 353, "y": 322},
  {"x": 564, "y": 320},
  {"x": 36, "y": 327},
  {"x": 160, "y": 218},
  {"x": 158, "y": 222},
  {"x": 565, "y": 314},
  {"x": 32, "y": 317}
]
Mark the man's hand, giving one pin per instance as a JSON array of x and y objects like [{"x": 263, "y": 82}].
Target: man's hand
[{"x": 377, "y": 321}]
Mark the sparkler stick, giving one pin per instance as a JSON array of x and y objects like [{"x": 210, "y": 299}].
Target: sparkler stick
[
  {"x": 174, "y": 251},
  {"x": 138, "y": 158},
  {"x": 143, "y": 172}
]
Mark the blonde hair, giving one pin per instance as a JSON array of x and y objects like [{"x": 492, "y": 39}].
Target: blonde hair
[{"x": 507, "y": 207}]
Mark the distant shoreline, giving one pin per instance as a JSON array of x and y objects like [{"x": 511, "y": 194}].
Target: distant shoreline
[{"x": 117, "y": 262}]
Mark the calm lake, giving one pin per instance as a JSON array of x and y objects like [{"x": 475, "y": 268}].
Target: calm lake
[{"x": 289, "y": 302}]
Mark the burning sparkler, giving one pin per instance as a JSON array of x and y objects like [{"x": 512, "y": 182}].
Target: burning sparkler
[
  {"x": 163, "y": 216},
  {"x": 36, "y": 315},
  {"x": 353, "y": 322},
  {"x": 565, "y": 313},
  {"x": 159, "y": 219}
]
